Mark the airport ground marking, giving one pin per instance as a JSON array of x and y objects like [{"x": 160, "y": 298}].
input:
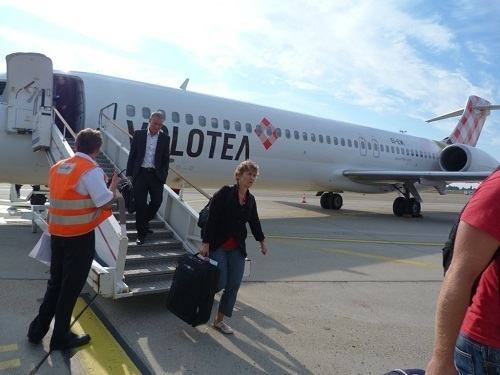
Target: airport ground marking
[
  {"x": 354, "y": 240},
  {"x": 4, "y": 365},
  {"x": 103, "y": 355},
  {"x": 10, "y": 364},
  {"x": 8, "y": 348},
  {"x": 365, "y": 255}
]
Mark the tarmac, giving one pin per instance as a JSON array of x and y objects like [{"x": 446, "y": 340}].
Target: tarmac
[{"x": 340, "y": 292}]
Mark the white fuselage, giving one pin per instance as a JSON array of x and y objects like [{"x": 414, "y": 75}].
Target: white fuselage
[{"x": 310, "y": 154}]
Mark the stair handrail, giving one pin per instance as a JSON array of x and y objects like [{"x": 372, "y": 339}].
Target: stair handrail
[
  {"x": 66, "y": 125},
  {"x": 113, "y": 122}
]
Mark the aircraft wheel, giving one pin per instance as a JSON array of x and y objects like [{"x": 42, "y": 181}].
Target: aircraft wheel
[
  {"x": 398, "y": 206},
  {"x": 336, "y": 201},
  {"x": 38, "y": 199},
  {"x": 412, "y": 207},
  {"x": 324, "y": 201}
]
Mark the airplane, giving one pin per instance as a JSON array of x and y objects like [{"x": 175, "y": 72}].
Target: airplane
[{"x": 210, "y": 135}]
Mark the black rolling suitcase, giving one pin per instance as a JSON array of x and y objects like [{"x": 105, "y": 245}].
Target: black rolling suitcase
[{"x": 193, "y": 289}]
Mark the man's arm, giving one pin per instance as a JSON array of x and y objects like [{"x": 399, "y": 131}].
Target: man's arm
[
  {"x": 131, "y": 157},
  {"x": 115, "y": 180},
  {"x": 472, "y": 254}
]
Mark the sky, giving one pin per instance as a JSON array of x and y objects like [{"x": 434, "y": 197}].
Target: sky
[{"x": 389, "y": 64}]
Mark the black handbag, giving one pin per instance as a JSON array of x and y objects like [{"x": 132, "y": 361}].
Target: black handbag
[{"x": 126, "y": 189}]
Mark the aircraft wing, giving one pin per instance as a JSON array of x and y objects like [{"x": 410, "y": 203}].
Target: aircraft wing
[{"x": 423, "y": 177}]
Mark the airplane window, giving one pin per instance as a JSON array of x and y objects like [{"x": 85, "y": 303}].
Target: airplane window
[
  {"x": 335, "y": 141},
  {"x": 412, "y": 154},
  {"x": 146, "y": 113},
  {"x": 369, "y": 145},
  {"x": 397, "y": 150},
  {"x": 278, "y": 132},
  {"x": 362, "y": 145},
  {"x": 342, "y": 141},
  {"x": 176, "y": 118},
  {"x": 349, "y": 143},
  {"x": 258, "y": 130},
  {"x": 189, "y": 119},
  {"x": 237, "y": 126},
  {"x": 375, "y": 146},
  {"x": 287, "y": 133},
  {"x": 313, "y": 137},
  {"x": 328, "y": 139},
  {"x": 407, "y": 152},
  {"x": 202, "y": 121},
  {"x": 130, "y": 110},
  {"x": 421, "y": 155},
  {"x": 381, "y": 148},
  {"x": 269, "y": 132},
  {"x": 392, "y": 149},
  {"x": 215, "y": 123},
  {"x": 304, "y": 136},
  {"x": 356, "y": 143},
  {"x": 226, "y": 124},
  {"x": 248, "y": 127},
  {"x": 320, "y": 138},
  {"x": 296, "y": 134}
]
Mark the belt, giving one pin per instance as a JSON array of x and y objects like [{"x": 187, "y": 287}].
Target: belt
[{"x": 148, "y": 169}]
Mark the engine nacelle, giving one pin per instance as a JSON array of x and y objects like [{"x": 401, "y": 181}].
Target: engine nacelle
[{"x": 465, "y": 158}]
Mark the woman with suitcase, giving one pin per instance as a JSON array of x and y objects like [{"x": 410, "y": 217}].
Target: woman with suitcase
[{"x": 225, "y": 234}]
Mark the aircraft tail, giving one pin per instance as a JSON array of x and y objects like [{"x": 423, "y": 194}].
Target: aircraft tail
[{"x": 471, "y": 122}]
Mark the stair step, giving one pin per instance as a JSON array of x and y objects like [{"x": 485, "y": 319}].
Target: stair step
[
  {"x": 142, "y": 253},
  {"x": 153, "y": 237},
  {"x": 149, "y": 285},
  {"x": 150, "y": 268}
]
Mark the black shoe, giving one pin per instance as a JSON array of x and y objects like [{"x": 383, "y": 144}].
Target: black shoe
[
  {"x": 34, "y": 340},
  {"x": 140, "y": 240},
  {"x": 73, "y": 342}
]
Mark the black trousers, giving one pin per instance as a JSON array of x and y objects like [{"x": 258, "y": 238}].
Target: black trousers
[
  {"x": 146, "y": 182},
  {"x": 71, "y": 261}
]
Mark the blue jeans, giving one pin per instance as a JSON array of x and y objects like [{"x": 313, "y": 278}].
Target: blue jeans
[
  {"x": 231, "y": 263},
  {"x": 473, "y": 358}
]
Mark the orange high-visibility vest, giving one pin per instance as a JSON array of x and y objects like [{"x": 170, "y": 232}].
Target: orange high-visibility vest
[{"x": 70, "y": 213}]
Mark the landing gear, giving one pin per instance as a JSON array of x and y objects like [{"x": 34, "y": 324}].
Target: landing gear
[
  {"x": 331, "y": 201},
  {"x": 406, "y": 206}
]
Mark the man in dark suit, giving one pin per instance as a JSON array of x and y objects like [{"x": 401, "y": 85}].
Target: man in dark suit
[{"x": 147, "y": 167}]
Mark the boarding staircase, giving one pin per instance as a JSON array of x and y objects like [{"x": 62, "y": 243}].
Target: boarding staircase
[
  {"x": 121, "y": 267},
  {"x": 149, "y": 267}
]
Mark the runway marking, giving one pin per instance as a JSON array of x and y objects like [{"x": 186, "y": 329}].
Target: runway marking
[
  {"x": 357, "y": 240},
  {"x": 104, "y": 355},
  {"x": 8, "y": 348},
  {"x": 363, "y": 255},
  {"x": 4, "y": 365},
  {"x": 10, "y": 364}
]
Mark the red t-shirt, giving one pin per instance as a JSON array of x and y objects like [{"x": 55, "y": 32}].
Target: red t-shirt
[{"x": 482, "y": 320}]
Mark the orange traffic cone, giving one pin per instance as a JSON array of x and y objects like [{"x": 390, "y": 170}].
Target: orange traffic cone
[{"x": 304, "y": 198}]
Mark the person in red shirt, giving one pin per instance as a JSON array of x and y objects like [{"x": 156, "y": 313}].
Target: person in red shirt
[{"x": 467, "y": 333}]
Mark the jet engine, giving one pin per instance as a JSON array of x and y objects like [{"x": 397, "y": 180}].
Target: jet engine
[{"x": 465, "y": 158}]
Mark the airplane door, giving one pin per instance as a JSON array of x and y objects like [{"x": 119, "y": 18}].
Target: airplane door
[
  {"x": 376, "y": 148},
  {"x": 29, "y": 88},
  {"x": 362, "y": 146}
]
